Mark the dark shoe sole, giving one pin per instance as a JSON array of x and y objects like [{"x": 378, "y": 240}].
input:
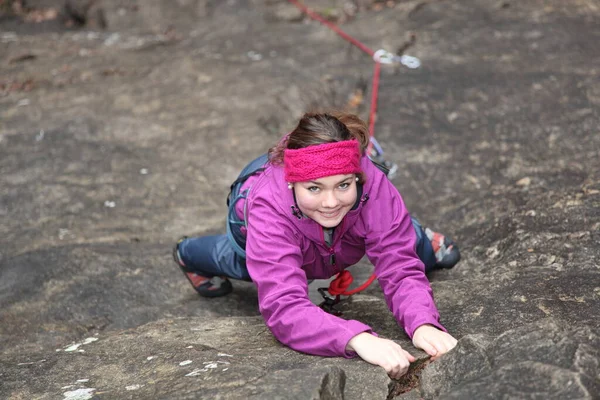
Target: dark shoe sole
[
  {"x": 175, "y": 249},
  {"x": 223, "y": 290},
  {"x": 206, "y": 289},
  {"x": 451, "y": 259}
]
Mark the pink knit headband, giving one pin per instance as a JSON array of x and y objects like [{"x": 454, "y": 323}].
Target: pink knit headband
[{"x": 321, "y": 160}]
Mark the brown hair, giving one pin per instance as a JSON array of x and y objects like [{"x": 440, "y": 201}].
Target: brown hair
[{"x": 322, "y": 127}]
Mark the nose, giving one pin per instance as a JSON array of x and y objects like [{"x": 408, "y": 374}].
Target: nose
[{"x": 329, "y": 199}]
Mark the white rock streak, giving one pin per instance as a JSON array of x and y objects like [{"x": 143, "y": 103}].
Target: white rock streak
[
  {"x": 79, "y": 394},
  {"x": 75, "y": 346}
]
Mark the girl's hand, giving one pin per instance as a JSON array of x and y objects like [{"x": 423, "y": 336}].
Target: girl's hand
[
  {"x": 383, "y": 352},
  {"x": 433, "y": 341}
]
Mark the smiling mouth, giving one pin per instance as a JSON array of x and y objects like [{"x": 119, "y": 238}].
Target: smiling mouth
[{"x": 331, "y": 214}]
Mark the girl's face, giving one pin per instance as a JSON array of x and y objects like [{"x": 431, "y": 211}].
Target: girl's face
[{"x": 327, "y": 200}]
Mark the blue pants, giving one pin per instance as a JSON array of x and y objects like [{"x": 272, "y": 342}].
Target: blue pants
[{"x": 214, "y": 255}]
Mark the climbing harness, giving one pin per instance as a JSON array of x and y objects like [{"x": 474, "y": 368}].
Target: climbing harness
[
  {"x": 343, "y": 280},
  {"x": 236, "y": 228}
]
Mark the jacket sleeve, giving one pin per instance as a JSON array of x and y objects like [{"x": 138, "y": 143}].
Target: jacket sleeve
[
  {"x": 390, "y": 246},
  {"x": 274, "y": 260}
]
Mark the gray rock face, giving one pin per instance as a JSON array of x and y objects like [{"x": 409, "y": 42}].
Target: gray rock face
[
  {"x": 114, "y": 142},
  {"x": 539, "y": 360},
  {"x": 191, "y": 358}
]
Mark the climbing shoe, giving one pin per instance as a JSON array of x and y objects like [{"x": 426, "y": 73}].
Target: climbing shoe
[
  {"x": 447, "y": 254},
  {"x": 205, "y": 286}
]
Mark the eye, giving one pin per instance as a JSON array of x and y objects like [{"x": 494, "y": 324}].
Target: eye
[
  {"x": 313, "y": 189},
  {"x": 344, "y": 186}
]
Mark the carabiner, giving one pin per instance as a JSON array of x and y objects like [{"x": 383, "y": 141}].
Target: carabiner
[
  {"x": 409, "y": 61},
  {"x": 329, "y": 302},
  {"x": 385, "y": 57}
]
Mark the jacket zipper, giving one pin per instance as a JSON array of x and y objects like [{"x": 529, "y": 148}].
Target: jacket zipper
[{"x": 331, "y": 249}]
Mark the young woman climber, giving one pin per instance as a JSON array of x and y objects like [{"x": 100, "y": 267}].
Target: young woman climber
[{"x": 312, "y": 207}]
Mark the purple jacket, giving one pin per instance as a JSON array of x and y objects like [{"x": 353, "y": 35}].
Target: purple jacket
[{"x": 284, "y": 251}]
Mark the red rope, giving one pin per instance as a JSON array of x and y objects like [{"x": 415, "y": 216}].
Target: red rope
[
  {"x": 374, "y": 94},
  {"x": 377, "y": 69},
  {"x": 332, "y": 26},
  {"x": 341, "y": 283}
]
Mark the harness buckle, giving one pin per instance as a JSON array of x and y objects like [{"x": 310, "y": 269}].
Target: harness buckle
[
  {"x": 389, "y": 168},
  {"x": 329, "y": 302}
]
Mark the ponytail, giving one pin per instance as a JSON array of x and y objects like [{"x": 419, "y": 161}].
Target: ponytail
[{"x": 322, "y": 127}]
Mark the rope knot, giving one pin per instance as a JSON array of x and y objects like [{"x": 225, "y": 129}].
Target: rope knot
[{"x": 341, "y": 283}]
